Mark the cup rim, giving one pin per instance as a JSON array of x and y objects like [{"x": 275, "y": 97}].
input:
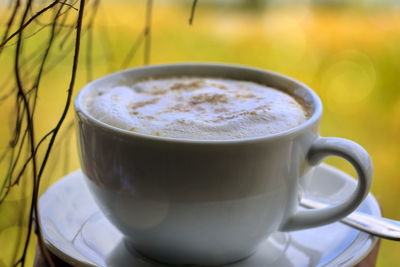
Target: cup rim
[{"x": 317, "y": 112}]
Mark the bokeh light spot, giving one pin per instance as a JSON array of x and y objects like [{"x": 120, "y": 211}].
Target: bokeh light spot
[{"x": 348, "y": 83}]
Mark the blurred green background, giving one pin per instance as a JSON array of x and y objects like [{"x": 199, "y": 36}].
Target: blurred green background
[{"x": 347, "y": 51}]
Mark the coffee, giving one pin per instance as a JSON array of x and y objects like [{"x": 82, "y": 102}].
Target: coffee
[
  {"x": 197, "y": 108},
  {"x": 205, "y": 203}
]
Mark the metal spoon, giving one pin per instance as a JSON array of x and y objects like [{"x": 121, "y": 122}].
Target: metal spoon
[{"x": 381, "y": 227}]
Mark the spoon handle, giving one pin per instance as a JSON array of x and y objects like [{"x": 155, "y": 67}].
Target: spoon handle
[{"x": 381, "y": 227}]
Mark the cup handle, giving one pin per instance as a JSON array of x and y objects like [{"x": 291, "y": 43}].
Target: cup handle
[{"x": 361, "y": 161}]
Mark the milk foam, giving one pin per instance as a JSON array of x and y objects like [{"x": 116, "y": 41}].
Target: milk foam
[{"x": 197, "y": 108}]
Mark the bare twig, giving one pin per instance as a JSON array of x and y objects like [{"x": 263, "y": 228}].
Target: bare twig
[
  {"x": 10, "y": 23},
  {"x": 31, "y": 134},
  {"x": 23, "y": 26},
  {"x": 89, "y": 43},
  {"x": 192, "y": 12},
  {"x": 147, "y": 32},
  {"x": 133, "y": 51}
]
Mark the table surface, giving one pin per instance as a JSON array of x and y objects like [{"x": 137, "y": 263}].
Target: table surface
[{"x": 369, "y": 261}]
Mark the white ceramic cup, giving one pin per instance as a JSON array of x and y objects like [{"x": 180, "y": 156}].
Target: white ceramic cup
[{"x": 208, "y": 202}]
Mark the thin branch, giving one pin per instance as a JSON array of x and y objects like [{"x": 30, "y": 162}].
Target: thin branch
[
  {"x": 10, "y": 23},
  {"x": 66, "y": 107},
  {"x": 192, "y": 12},
  {"x": 106, "y": 44},
  {"x": 147, "y": 32},
  {"x": 89, "y": 43},
  {"x": 31, "y": 135},
  {"x": 22, "y": 27},
  {"x": 134, "y": 49}
]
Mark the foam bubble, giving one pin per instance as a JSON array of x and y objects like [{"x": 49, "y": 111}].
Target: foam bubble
[{"x": 197, "y": 108}]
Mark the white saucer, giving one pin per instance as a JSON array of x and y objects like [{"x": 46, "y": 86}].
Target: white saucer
[{"x": 76, "y": 231}]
